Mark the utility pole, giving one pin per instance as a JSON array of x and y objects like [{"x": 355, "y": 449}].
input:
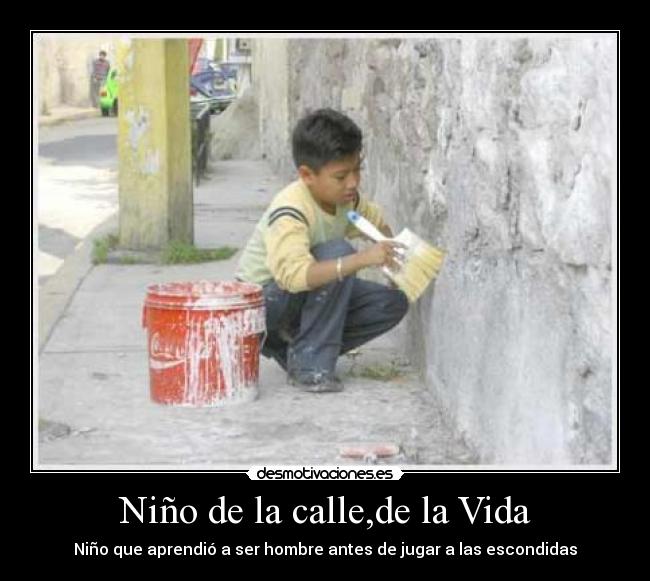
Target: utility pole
[{"x": 154, "y": 144}]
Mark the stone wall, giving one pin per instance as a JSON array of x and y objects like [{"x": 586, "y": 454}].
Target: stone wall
[{"x": 502, "y": 151}]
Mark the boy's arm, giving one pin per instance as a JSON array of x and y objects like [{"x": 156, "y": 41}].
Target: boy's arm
[
  {"x": 326, "y": 271},
  {"x": 296, "y": 270},
  {"x": 287, "y": 252}
]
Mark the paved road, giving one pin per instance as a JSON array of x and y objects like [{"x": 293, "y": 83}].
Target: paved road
[{"x": 76, "y": 188}]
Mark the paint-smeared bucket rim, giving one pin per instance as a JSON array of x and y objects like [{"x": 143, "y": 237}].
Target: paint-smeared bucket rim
[
  {"x": 204, "y": 294},
  {"x": 205, "y": 288}
]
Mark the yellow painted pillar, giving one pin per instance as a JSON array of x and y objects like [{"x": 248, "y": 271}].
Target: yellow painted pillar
[{"x": 154, "y": 143}]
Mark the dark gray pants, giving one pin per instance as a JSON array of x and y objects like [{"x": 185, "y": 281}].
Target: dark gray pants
[
  {"x": 308, "y": 331},
  {"x": 95, "y": 86}
]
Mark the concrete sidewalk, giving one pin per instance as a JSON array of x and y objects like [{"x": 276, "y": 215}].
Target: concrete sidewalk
[
  {"x": 62, "y": 114},
  {"x": 93, "y": 383}
]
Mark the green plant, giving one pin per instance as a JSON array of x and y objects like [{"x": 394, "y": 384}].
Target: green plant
[
  {"x": 182, "y": 253},
  {"x": 130, "y": 260},
  {"x": 383, "y": 372},
  {"x": 102, "y": 246}
]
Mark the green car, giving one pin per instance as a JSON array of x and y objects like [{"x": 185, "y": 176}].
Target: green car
[{"x": 108, "y": 95}]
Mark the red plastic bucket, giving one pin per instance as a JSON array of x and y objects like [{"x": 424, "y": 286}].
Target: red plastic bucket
[{"x": 204, "y": 341}]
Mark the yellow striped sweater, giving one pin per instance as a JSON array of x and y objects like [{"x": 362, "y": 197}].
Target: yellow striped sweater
[{"x": 293, "y": 223}]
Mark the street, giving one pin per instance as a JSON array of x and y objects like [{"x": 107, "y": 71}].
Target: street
[{"x": 77, "y": 186}]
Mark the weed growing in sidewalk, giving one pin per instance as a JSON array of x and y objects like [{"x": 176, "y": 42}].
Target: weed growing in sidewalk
[
  {"x": 106, "y": 249},
  {"x": 380, "y": 372},
  {"x": 131, "y": 260},
  {"x": 384, "y": 372},
  {"x": 181, "y": 253},
  {"x": 102, "y": 246}
]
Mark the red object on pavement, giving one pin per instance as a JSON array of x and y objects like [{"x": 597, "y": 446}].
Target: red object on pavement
[
  {"x": 204, "y": 341},
  {"x": 369, "y": 451}
]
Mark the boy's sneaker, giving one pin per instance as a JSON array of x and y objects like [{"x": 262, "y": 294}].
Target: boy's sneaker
[{"x": 326, "y": 385}]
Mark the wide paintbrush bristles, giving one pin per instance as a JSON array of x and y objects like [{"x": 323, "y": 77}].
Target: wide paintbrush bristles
[{"x": 421, "y": 264}]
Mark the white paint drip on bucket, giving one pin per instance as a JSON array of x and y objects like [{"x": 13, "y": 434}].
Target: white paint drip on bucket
[{"x": 218, "y": 354}]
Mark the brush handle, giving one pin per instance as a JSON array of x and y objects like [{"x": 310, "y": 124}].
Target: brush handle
[
  {"x": 369, "y": 230},
  {"x": 365, "y": 226}
]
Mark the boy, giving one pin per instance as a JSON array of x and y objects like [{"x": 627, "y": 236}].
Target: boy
[{"x": 315, "y": 309}]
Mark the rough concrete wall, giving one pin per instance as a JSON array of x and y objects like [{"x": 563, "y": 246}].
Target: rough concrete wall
[
  {"x": 501, "y": 151},
  {"x": 235, "y": 132},
  {"x": 270, "y": 72},
  {"x": 49, "y": 92},
  {"x": 64, "y": 68}
]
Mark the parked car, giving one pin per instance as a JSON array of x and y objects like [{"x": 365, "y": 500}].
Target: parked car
[
  {"x": 209, "y": 87},
  {"x": 108, "y": 95},
  {"x": 203, "y": 64}
]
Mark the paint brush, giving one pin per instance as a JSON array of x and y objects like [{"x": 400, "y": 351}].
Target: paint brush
[{"x": 419, "y": 261}]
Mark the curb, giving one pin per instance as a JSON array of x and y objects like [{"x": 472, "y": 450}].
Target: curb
[
  {"x": 45, "y": 122},
  {"x": 57, "y": 292}
]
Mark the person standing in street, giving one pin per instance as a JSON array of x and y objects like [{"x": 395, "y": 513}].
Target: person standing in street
[{"x": 98, "y": 74}]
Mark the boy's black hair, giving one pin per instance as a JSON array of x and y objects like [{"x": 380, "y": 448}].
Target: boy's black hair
[{"x": 323, "y": 136}]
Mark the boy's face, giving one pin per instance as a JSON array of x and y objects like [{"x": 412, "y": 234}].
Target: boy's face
[{"x": 337, "y": 182}]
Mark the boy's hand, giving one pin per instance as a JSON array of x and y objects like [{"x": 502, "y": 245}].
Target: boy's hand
[{"x": 384, "y": 253}]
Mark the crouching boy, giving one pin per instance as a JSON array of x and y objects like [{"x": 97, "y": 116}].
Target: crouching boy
[{"x": 316, "y": 309}]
